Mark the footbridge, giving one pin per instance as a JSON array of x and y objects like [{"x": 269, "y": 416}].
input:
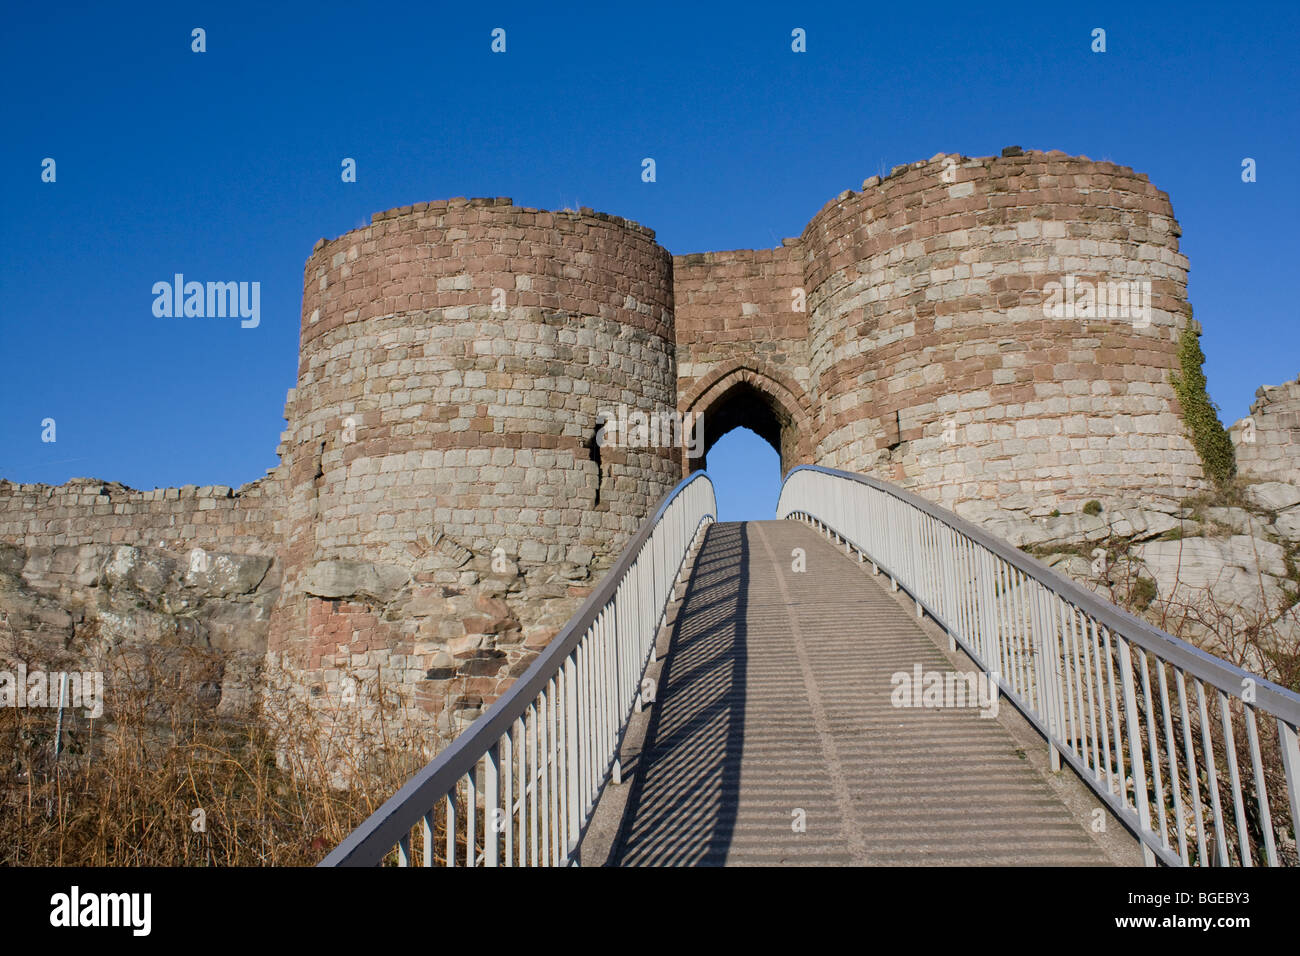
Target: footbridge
[{"x": 869, "y": 679}]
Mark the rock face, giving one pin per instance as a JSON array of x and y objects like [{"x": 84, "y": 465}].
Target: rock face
[
  {"x": 1129, "y": 522},
  {"x": 1240, "y": 570},
  {"x": 104, "y": 608},
  {"x": 1220, "y": 572},
  {"x": 1273, "y": 495}
]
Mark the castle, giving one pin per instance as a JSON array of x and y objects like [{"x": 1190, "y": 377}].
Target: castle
[{"x": 442, "y": 504}]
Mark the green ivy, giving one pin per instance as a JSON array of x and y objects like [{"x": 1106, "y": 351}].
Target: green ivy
[{"x": 1201, "y": 415}]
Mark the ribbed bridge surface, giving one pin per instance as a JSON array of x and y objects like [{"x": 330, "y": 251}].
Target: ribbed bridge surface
[{"x": 775, "y": 697}]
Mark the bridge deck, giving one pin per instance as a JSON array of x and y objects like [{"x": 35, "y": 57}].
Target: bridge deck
[{"x": 775, "y": 696}]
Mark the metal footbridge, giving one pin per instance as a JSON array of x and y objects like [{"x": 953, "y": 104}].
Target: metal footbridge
[{"x": 868, "y": 680}]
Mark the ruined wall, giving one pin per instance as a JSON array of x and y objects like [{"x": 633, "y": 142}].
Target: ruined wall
[
  {"x": 442, "y": 504},
  {"x": 1267, "y": 442},
  {"x": 455, "y": 356},
  {"x": 95, "y": 574},
  {"x": 926, "y": 316}
]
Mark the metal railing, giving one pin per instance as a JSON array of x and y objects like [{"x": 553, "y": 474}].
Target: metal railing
[
  {"x": 518, "y": 786},
  {"x": 1093, "y": 679}
]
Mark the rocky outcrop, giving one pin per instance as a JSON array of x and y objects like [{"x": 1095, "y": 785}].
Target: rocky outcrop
[
  {"x": 1240, "y": 570},
  {"x": 1135, "y": 522},
  {"x": 104, "y": 607},
  {"x": 1215, "y": 570}
]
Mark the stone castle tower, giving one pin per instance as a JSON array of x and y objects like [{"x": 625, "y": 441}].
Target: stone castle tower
[{"x": 443, "y": 504}]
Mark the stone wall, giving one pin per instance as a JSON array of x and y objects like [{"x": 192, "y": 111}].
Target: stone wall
[
  {"x": 448, "y": 504},
  {"x": 932, "y": 360},
  {"x": 742, "y": 339},
  {"x": 88, "y": 511},
  {"x": 93, "y": 574},
  {"x": 1267, "y": 441}
]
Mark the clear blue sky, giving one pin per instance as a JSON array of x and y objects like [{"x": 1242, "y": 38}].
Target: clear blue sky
[{"x": 225, "y": 165}]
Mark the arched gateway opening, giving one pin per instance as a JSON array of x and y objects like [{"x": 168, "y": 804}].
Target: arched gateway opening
[{"x": 743, "y": 397}]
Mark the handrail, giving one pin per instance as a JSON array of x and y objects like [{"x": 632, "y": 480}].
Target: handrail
[
  {"x": 554, "y": 735},
  {"x": 1053, "y": 648}
]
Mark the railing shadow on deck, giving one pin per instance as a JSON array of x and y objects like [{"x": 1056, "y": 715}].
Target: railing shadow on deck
[{"x": 678, "y": 812}]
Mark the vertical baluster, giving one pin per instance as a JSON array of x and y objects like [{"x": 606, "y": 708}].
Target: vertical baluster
[
  {"x": 491, "y": 803},
  {"x": 508, "y": 794},
  {"x": 451, "y": 826},
  {"x": 609, "y": 683},
  {"x": 959, "y": 624},
  {"x": 1193, "y": 778},
  {"x": 586, "y": 726},
  {"x": 582, "y": 784},
  {"x": 1135, "y": 745},
  {"x": 1230, "y": 751},
  {"x": 1261, "y": 788},
  {"x": 1175, "y": 783},
  {"x": 1121, "y": 775},
  {"x": 1090, "y": 726},
  {"x": 1288, "y": 742},
  {"x": 1008, "y": 626},
  {"x": 989, "y": 619},
  {"x": 544, "y": 734},
  {"x": 595, "y": 684},
  {"x": 1060, "y": 665},
  {"x": 1212, "y": 776},
  {"x": 523, "y": 769},
  {"x": 1028, "y": 652},
  {"x": 947, "y": 574},
  {"x": 968, "y": 592},
  {"x": 1078, "y": 728},
  {"x": 427, "y": 828},
  {"x": 1005, "y": 625},
  {"x": 555, "y": 734},
  {"x": 572, "y": 756},
  {"x": 471, "y": 821},
  {"x": 621, "y": 625},
  {"x": 1152, "y": 739},
  {"x": 1101, "y": 707},
  {"x": 534, "y": 781},
  {"x": 1022, "y": 664},
  {"x": 1049, "y": 705}
]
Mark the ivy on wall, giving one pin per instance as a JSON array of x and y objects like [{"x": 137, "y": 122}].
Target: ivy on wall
[{"x": 1201, "y": 416}]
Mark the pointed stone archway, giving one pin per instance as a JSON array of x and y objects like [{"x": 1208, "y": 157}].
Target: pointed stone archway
[{"x": 743, "y": 395}]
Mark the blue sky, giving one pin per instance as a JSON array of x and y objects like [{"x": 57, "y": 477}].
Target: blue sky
[{"x": 225, "y": 165}]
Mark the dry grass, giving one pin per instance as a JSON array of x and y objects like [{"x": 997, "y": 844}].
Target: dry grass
[{"x": 160, "y": 780}]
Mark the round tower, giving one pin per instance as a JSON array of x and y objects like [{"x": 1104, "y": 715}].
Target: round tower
[
  {"x": 448, "y": 503},
  {"x": 1000, "y": 332}
]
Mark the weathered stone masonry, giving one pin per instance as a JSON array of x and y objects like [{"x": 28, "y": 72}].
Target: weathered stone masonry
[
  {"x": 428, "y": 430},
  {"x": 1267, "y": 441},
  {"x": 441, "y": 505}
]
